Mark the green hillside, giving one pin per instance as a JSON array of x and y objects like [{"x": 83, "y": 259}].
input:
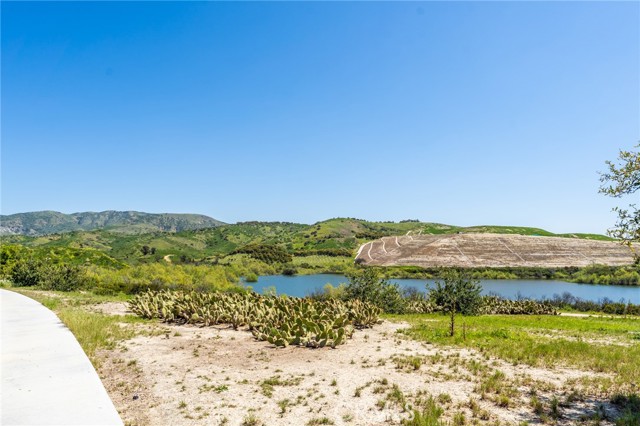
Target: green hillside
[
  {"x": 333, "y": 237},
  {"x": 115, "y": 261},
  {"x": 128, "y": 222}
]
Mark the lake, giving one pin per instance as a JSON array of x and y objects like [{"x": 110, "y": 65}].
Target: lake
[{"x": 303, "y": 285}]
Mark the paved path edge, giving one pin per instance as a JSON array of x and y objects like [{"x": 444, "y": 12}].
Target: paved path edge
[{"x": 45, "y": 376}]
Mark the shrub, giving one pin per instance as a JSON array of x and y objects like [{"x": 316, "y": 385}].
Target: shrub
[
  {"x": 10, "y": 254},
  {"x": 62, "y": 278},
  {"x": 26, "y": 272},
  {"x": 457, "y": 293},
  {"x": 266, "y": 253},
  {"x": 629, "y": 406},
  {"x": 289, "y": 271},
  {"x": 157, "y": 276},
  {"x": 251, "y": 278},
  {"x": 367, "y": 286}
]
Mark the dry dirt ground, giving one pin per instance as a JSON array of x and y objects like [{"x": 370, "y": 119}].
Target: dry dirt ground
[
  {"x": 492, "y": 250},
  {"x": 187, "y": 375}
]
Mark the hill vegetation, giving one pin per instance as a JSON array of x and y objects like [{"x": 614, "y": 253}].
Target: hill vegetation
[
  {"x": 333, "y": 237},
  {"x": 117, "y": 260},
  {"x": 130, "y": 222}
]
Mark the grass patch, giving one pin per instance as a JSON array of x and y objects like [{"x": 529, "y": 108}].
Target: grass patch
[
  {"x": 407, "y": 362},
  {"x": 94, "y": 331},
  {"x": 428, "y": 414},
  {"x": 269, "y": 384},
  {"x": 603, "y": 345},
  {"x": 629, "y": 406},
  {"x": 320, "y": 421}
]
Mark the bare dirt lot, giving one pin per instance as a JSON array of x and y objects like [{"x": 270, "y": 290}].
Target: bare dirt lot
[
  {"x": 492, "y": 250},
  {"x": 186, "y": 375}
]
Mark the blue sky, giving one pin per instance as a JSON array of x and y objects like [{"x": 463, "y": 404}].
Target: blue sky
[{"x": 465, "y": 113}]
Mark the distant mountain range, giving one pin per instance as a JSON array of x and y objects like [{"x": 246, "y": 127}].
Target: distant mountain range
[{"x": 126, "y": 222}]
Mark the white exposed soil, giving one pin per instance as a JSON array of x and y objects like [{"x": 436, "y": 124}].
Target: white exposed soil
[{"x": 186, "y": 375}]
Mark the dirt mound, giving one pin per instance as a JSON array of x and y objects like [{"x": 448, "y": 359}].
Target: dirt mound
[{"x": 491, "y": 250}]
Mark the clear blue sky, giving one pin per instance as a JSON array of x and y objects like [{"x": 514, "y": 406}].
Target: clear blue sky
[{"x": 455, "y": 112}]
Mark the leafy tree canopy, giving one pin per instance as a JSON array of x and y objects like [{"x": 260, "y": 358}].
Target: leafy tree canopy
[
  {"x": 457, "y": 292},
  {"x": 621, "y": 179},
  {"x": 367, "y": 285}
]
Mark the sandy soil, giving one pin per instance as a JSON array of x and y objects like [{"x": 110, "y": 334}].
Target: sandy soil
[
  {"x": 111, "y": 308},
  {"x": 581, "y": 315},
  {"x": 186, "y": 375}
]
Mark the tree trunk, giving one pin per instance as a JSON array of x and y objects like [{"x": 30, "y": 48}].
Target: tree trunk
[{"x": 453, "y": 321}]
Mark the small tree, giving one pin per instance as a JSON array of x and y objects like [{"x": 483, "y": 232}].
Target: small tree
[
  {"x": 622, "y": 179},
  {"x": 458, "y": 292},
  {"x": 10, "y": 254},
  {"x": 368, "y": 286}
]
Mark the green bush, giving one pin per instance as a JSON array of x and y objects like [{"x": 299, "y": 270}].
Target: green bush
[
  {"x": 62, "y": 278},
  {"x": 158, "y": 276},
  {"x": 10, "y": 254},
  {"x": 601, "y": 274},
  {"x": 26, "y": 272},
  {"x": 289, "y": 270},
  {"x": 367, "y": 285},
  {"x": 266, "y": 253},
  {"x": 30, "y": 272}
]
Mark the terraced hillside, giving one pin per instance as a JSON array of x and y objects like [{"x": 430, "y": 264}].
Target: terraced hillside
[{"x": 491, "y": 250}]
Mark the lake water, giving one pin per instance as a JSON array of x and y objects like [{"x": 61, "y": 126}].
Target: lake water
[{"x": 303, "y": 285}]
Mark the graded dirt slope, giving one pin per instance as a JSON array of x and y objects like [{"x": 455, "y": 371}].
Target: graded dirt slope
[{"x": 491, "y": 250}]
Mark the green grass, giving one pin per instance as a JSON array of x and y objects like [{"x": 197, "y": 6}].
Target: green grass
[
  {"x": 96, "y": 331},
  {"x": 268, "y": 385},
  {"x": 320, "y": 421},
  {"x": 428, "y": 414},
  {"x": 322, "y": 264},
  {"x": 606, "y": 345},
  {"x": 629, "y": 406},
  {"x": 519, "y": 230},
  {"x": 53, "y": 299},
  {"x": 583, "y": 236}
]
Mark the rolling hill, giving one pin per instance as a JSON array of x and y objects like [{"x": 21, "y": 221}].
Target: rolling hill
[{"x": 333, "y": 237}]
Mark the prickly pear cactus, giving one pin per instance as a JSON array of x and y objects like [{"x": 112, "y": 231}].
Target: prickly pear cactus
[{"x": 281, "y": 321}]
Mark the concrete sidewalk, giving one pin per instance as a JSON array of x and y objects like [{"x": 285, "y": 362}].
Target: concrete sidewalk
[{"x": 45, "y": 376}]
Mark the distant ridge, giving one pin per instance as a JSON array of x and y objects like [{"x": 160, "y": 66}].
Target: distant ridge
[{"x": 127, "y": 222}]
